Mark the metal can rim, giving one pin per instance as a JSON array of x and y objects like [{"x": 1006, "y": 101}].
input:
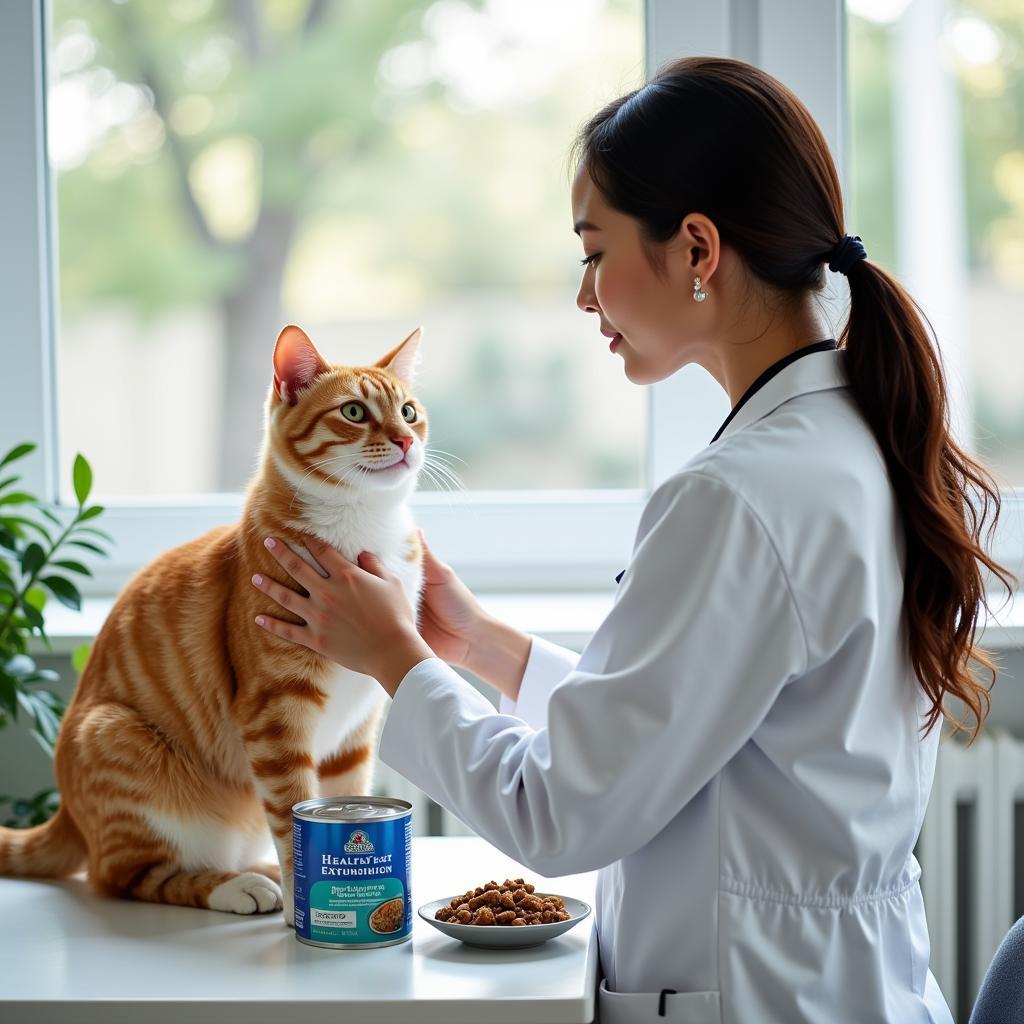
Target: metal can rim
[{"x": 303, "y": 809}]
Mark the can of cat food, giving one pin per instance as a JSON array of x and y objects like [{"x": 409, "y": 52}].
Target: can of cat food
[{"x": 352, "y": 860}]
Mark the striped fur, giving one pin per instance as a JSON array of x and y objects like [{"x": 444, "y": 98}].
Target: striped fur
[{"x": 192, "y": 731}]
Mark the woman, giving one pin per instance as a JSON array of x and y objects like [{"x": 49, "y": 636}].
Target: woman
[{"x": 746, "y": 745}]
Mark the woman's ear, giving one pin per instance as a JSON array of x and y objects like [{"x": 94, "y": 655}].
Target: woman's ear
[
  {"x": 697, "y": 246},
  {"x": 296, "y": 363}
]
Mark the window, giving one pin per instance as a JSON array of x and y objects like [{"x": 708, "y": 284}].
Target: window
[
  {"x": 481, "y": 254},
  {"x": 225, "y": 168},
  {"x": 938, "y": 192}
]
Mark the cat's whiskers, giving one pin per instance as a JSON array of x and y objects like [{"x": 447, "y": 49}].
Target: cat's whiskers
[
  {"x": 438, "y": 474},
  {"x": 441, "y": 467},
  {"x": 432, "y": 453},
  {"x": 448, "y": 475},
  {"x": 445, "y": 477},
  {"x": 438, "y": 481},
  {"x": 437, "y": 455},
  {"x": 317, "y": 465},
  {"x": 351, "y": 473},
  {"x": 431, "y": 449}
]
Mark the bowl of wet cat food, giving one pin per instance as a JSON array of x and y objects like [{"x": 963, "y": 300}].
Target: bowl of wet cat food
[{"x": 506, "y": 916}]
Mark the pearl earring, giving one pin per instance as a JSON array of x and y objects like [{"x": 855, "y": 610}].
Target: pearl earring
[{"x": 699, "y": 295}]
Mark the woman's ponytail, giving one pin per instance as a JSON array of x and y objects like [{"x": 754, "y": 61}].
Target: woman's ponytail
[{"x": 898, "y": 382}]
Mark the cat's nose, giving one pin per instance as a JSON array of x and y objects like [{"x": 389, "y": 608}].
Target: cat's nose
[{"x": 403, "y": 441}]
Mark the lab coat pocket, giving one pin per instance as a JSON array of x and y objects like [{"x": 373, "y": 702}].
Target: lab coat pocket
[{"x": 645, "y": 1007}]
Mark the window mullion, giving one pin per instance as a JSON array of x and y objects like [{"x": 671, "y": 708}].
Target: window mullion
[{"x": 28, "y": 403}]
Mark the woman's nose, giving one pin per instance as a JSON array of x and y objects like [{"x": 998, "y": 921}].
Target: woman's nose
[{"x": 585, "y": 299}]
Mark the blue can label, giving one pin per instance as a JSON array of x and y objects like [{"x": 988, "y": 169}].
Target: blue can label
[{"x": 352, "y": 881}]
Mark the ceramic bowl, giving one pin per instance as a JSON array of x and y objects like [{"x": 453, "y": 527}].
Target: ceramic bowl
[{"x": 503, "y": 936}]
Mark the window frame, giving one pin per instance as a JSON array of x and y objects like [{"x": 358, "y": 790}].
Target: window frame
[{"x": 534, "y": 541}]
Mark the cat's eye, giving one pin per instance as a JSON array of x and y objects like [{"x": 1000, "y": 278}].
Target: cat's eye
[
  {"x": 353, "y": 411},
  {"x": 409, "y": 412}
]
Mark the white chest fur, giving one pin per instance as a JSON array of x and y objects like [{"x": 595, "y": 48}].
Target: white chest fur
[{"x": 353, "y": 696}]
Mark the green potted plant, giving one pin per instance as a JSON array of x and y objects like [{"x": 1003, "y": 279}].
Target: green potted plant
[{"x": 29, "y": 550}]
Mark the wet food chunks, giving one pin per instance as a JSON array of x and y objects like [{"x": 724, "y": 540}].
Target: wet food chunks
[{"x": 514, "y": 903}]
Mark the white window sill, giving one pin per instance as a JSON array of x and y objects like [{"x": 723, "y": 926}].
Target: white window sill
[{"x": 564, "y": 618}]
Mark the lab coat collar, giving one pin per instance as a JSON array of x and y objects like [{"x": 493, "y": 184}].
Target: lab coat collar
[
  {"x": 810, "y": 371},
  {"x": 815, "y": 371}
]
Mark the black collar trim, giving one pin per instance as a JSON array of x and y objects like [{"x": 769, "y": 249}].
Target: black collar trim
[{"x": 776, "y": 367}]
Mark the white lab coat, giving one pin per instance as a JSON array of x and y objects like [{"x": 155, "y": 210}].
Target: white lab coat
[{"x": 736, "y": 748}]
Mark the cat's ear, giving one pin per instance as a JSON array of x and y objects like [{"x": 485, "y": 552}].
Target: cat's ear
[
  {"x": 403, "y": 360},
  {"x": 296, "y": 363}
]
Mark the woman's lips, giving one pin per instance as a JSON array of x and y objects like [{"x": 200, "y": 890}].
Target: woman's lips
[{"x": 613, "y": 344}]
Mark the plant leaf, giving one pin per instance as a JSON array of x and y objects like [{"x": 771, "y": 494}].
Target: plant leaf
[
  {"x": 98, "y": 533},
  {"x": 64, "y": 590},
  {"x": 33, "y": 617},
  {"x": 82, "y": 474},
  {"x": 89, "y": 545},
  {"x": 80, "y": 656},
  {"x": 75, "y": 567},
  {"x": 8, "y": 540},
  {"x": 55, "y": 519},
  {"x": 43, "y": 675},
  {"x": 36, "y": 597},
  {"x": 17, "y": 452},
  {"x": 8, "y": 520},
  {"x": 89, "y": 513},
  {"x": 20, "y": 666},
  {"x": 7, "y": 483},
  {"x": 36, "y": 810},
  {"x": 46, "y": 709},
  {"x": 9, "y": 694},
  {"x": 17, "y": 498},
  {"x": 33, "y": 558}
]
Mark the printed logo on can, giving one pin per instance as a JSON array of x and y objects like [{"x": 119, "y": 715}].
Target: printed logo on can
[{"x": 358, "y": 843}]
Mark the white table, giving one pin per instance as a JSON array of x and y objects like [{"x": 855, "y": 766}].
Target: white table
[{"x": 69, "y": 956}]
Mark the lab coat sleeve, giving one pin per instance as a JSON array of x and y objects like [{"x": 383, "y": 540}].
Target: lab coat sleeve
[
  {"x": 547, "y": 665},
  {"x": 701, "y": 638}
]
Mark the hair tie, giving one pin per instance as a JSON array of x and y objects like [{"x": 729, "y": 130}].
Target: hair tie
[{"x": 848, "y": 251}]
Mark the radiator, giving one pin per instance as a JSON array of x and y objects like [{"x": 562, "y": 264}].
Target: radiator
[{"x": 966, "y": 850}]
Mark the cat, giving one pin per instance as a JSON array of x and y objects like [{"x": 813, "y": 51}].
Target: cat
[{"x": 192, "y": 731}]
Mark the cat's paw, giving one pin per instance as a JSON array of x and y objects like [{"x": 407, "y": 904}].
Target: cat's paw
[{"x": 248, "y": 893}]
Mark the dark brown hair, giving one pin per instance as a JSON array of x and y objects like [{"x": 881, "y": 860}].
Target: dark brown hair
[{"x": 727, "y": 139}]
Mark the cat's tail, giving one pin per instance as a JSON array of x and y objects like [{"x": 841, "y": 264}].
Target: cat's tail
[{"x": 51, "y": 850}]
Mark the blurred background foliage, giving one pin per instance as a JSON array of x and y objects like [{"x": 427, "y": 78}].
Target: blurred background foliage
[
  {"x": 330, "y": 161},
  {"x": 316, "y": 160}
]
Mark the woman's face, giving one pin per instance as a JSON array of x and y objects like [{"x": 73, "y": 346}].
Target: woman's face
[
  {"x": 662, "y": 328},
  {"x": 734, "y": 334}
]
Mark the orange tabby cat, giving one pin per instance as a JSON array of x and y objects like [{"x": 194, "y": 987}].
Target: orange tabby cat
[{"x": 191, "y": 729}]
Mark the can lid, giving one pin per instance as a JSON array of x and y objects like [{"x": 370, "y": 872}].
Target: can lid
[{"x": 352, "y": 808}]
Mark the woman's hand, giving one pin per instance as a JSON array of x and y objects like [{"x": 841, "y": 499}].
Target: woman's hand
[
  {"x": 358, "y": 615},
  {"x": 459, "y": 631},
  {"x": 450, "y": 615}
]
